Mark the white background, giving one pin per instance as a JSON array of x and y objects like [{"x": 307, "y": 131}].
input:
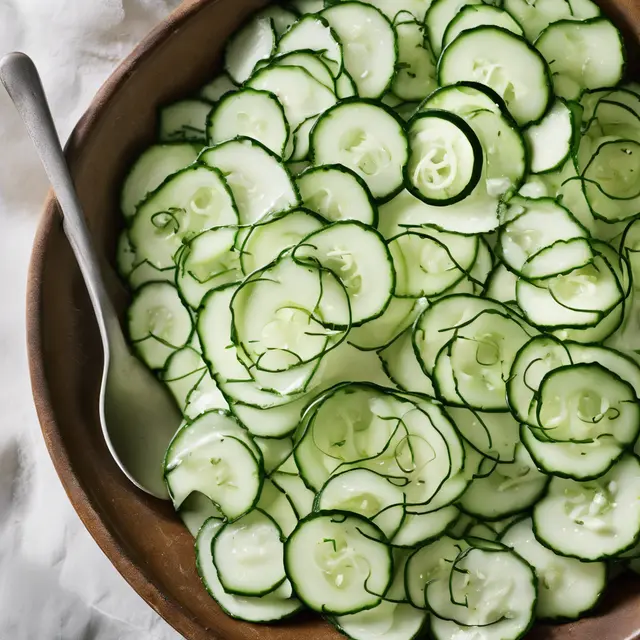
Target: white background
[{"x": 55, "y": 584}]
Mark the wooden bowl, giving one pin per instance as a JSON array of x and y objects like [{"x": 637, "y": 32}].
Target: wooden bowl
[{"x": 142, "y": 537}]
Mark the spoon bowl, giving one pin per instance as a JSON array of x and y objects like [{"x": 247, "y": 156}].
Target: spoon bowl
[{"x": 137, "y": 414}]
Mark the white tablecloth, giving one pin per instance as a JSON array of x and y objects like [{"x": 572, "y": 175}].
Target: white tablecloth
[{"x": 55, "y": 583}]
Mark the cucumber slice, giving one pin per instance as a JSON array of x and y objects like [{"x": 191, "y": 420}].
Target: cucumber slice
[
  {"x": 312, "y": 62},
  {"x": 366, "y": 493},
  {"x": 184, "y": 121},
  {"x": 581, "y": 298},
  {"x": 282, "y": 18},
  {"x": 471, "y": 16},
  {"x": 267, "y": 240},
  {"x": 471, "y": 368},
  {"x": 158, "y": 323},
  {"x": 314, "y": 32},
  {"x": 389, "y": 620},
  {"x": 399, "y": 315},
  {"x": 562, "y": 257},
  {"x": 486, "y": 585},
  {"x": 215, "y": 456},
  {"x": 251, "y": 169},
  {"x": 207, "y": 262},
  {"x": 591, "y": 520},
  {"x": 551, "y": 141},
  {"x": 248, "y": 554},
  {"x": 401, "y": 10},
  {"x": 533, "y": 362},
  {"x": 402, "y": 366},
  {"x": 301, "y": 95},
  {"x": 501, "y": 285},
  {"x": 359, "y": 258},
  {"x": 151, "y": 169},
  {"x": 265, "y": 609},
  {"x": 274, "y": 502},
  {"x": 196, "y": 510},
  {"x": 367, "y": 138},
  {"x": 505, "y": 153},
  {"x": 537, "y": 16},
  {"x": 271, "y": 423},
  {"x": 250, "y": 113},
  {"x": 345, "y": 86},
  {"x": 504, "y": 62},
  {"x": 567, "y": 588},
  {"x": 415, "y": 76},
  {"x": 439, "y": 17},
  {"x": 220, "y": 86},
  {"x": 419, "y": 528},
  {"x": 428, "y": 262},
  {"x": 509, "y": 489},
  {"x": 584, "y": 403},
  {"x": 297, "y": 492},
  {"x": 338, "y": 562},
  {"x": 337, "y": 193},
  {"x": 529, "y": 227},
  {"x": 473, "y": 215},
  {"x": 582, "y": 55},
  {"x": 187, "y": 376},
  {"x": 189, "y": 202},
  {"x": 494, "y": 435},
  {"x": 609, "y": 182},
  {"x": 445, "y": 158},
  {"x": 369, "y": 45},
  {"x": 253, "y": 42}
]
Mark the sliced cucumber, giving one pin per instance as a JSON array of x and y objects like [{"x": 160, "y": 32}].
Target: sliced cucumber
[
  {"x": 367, "y": 493},
  {"x": 389, "y": 620},
  {"x": 582, "y": 55},
  {"x": 301, "y": 95},
  {"x": 184, "y": 121},
  {"x": 367, "y": 138},
  {"x": 338, "y": 562},
  {"x": 337, "y": 193},
  {"x": 250, "y": 113},
  {"x": 158, "y": 323},
  {"x": 251, "y": 169},
  {"x": 415, "y": 76},
  {"x": 529, "y": 227},
  {"x": 359, "y": 258},
  {"x": 552, "y": 140},
  {"x": 220, "y": 86},
  {"x": 312, "y": 62},
  {"x": 208, "y": 261},
  {"x": 266, "y": 609},
  {"x": 249, "y": 555},
  {"x": 506, "y": 63},
  {"x": 429, "y": 262},
  {"x": 369, "y": 45},
  {"x": 189, "y": 202},
  {"x": 215, "y": 456},
  {"x": 477, "y": 15},
  {"x": 252, "y": 43},
  {"x": 567, "y": 588},
  {"x": 591, "y": 520},
  {"x": 445, "y": 158},
  {"x": 537, "y": 16},
  {"x": 314, "y": 32},
  {"x": 151, "y": 169},
  {"x": 509, "y": 489}
]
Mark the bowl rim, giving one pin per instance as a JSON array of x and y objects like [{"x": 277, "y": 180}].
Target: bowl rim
[{"x": 168, "y": 608}]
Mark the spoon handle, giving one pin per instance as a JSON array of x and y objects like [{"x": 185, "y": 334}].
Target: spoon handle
[{"x": 20, "y": 78}]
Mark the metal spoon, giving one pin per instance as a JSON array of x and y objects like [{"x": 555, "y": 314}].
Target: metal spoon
[{"x": 137, "y": 414}]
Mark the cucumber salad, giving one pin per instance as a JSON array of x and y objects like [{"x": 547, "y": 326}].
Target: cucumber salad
[{"x": 385, "y": 262}]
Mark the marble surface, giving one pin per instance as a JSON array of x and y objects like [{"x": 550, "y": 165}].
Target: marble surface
[{"x": 55, "y": 583}]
